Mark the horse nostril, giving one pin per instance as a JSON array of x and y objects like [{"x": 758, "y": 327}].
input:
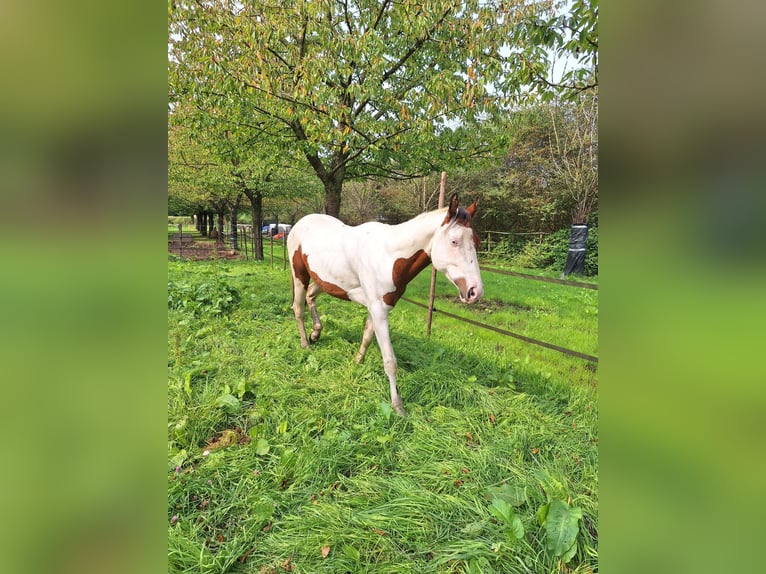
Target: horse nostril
[{"x": 471, "y": 293}]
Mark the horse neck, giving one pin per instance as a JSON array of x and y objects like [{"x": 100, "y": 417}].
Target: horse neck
[{"x": 418, "y": 232}]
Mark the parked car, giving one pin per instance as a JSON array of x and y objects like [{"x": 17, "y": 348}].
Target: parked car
[{"x": 271, "y": 229}]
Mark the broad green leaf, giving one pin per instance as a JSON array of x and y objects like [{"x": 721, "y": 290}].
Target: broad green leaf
[
  {"x": 514, "y": 495},
  {"x": 562, "y": 527},
  {"x": 262, "y": 510},
  {"x": 178, "y": 459},
  {"x": 569, "y": 554},
  {"x": 501, "y": 510},
  {"x": 261, "y": 446},
  {"x": 229, "y": 402},
  {"x": 542, "y": 513},
  {"x": 351, "y": 552}
]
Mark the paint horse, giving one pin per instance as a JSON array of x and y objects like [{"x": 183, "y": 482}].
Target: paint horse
[{"x": 372, "y": 264}]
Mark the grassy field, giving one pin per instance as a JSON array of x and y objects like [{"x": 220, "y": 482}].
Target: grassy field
[{"x": 286, "y": 460}]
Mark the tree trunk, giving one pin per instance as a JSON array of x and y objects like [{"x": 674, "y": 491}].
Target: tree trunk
[
  {"x": 210, "y": 223},
  {"x": 198, "y": 221},
  {"x": 233, "y": 232},
  {"x": 256, "y": 211},
  {"x": 220, "y": 224},
  {"x": 202, "y": 223},
  {"x": 333, "y": 187}
]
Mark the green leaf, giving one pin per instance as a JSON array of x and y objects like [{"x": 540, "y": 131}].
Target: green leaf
[
  {"x": 228, "y": 402},
  {"x": 569, "y": 554},
  {"x": 562, "y": 527},
  {"x": 178, "y": 459},
  {"x": 351, "y": 552},
  {"x": 261, "y": 446},
  {"x": 504, "y": 512},
  {"x": 542, "y": 513},
  {"x": 263, "y": 511},
  {"x": 501, "y": 510},
  {"x": 514, "y": 495}
]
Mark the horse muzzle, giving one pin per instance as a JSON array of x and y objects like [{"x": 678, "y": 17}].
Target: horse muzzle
[{"x": 469, "y": 293}]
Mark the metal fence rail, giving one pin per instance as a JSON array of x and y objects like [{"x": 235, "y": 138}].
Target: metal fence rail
[
  {"x": 540, "y": 278},
  {"x": 563, "y": 350}
]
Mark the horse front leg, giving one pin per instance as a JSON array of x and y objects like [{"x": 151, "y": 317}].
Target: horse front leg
[
  {"x": 366, "y": 340},
  {"x": 379, "y": 318}
]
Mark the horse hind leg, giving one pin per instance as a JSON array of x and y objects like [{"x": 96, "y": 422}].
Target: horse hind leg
[
  {"x": 311, "y": 294},
  {"x": 299, "y": 306},
  {"x": 369, "y": 332}
]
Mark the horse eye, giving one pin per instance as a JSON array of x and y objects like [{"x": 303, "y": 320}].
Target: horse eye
[{"x": 454, "y": 242}]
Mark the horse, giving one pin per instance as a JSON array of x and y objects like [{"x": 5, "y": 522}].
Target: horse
[{"x": 372, "y": 263}]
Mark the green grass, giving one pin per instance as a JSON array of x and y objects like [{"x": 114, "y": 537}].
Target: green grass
[{"x": 305, "y": 458}]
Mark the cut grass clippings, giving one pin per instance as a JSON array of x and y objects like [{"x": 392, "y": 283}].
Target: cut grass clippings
[{"x": 290, "y": 460}]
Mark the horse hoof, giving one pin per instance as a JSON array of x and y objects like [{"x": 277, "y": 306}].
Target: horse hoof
[{"x": 400, "y": 410}]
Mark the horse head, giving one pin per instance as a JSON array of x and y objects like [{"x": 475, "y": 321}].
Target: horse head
[{"x": 453, "y": 251}]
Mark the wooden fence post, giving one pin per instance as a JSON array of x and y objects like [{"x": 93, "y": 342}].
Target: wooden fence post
[{"x": 432, "y": 292}]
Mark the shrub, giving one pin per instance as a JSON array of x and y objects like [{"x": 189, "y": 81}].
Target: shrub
[
  {"x": 533, "y": 255},
  {"x": 214, "y": 297},
  {"x": 552, "y": 252}
]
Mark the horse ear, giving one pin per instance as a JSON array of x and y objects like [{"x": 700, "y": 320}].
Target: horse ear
[
  {"x": 453, "y": 203},
  {"x": 471, "y": 209}
]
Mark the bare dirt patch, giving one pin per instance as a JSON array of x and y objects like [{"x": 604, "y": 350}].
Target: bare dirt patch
[
  {"x": 486, "y": 304},
  {"x": 202, "y": 250}
]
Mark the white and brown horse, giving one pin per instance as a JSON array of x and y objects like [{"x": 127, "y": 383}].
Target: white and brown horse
[{"x": 372, "y": 264}]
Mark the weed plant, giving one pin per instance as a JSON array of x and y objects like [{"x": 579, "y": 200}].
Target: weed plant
[{"x": 282, "y": 459}]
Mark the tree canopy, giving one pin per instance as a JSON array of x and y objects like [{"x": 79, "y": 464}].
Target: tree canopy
[{"x": 362, "y": 88}]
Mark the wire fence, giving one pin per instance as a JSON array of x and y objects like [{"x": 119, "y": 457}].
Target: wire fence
[
  {"x": 192, "y": 245},
  {"x": 524, "y": 338},
  {"x": 492, "y": 239}
]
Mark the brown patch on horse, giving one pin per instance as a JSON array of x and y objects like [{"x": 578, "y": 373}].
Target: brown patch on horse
[
  {"x": 300, "y": 267},
  {"x": 329, "y": 288},
  {"x": 404, "y": 271},
  {"x": 461, "y": 216},
  {"x": 452, "y": 209},
  {"x": 304, "y": 274},
  {"x": 462, "y": 287}
]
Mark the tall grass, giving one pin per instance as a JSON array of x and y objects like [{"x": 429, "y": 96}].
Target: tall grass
[{"x": 286, "y": 460}]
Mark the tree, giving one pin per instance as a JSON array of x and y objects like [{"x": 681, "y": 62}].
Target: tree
[
  {"x": 247, "y": 162},
  {"x": 574, "y": 151},
  {"x": 197, "y": 181},
  {"x": 568, "y": 34},
  {"x": 363, "y": 88}
]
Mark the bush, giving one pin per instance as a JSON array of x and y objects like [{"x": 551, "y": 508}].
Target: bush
[
  {"x": 552, "y": 252},
  {"x": 533, "y": 255},
  {"x": 214, "y": 297}
]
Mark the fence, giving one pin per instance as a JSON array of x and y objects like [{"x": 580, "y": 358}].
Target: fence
[
  {"x": 507, "y": 333},
  {"x": 494, "y": 238},
  {"x": 246, "y": 241}
]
